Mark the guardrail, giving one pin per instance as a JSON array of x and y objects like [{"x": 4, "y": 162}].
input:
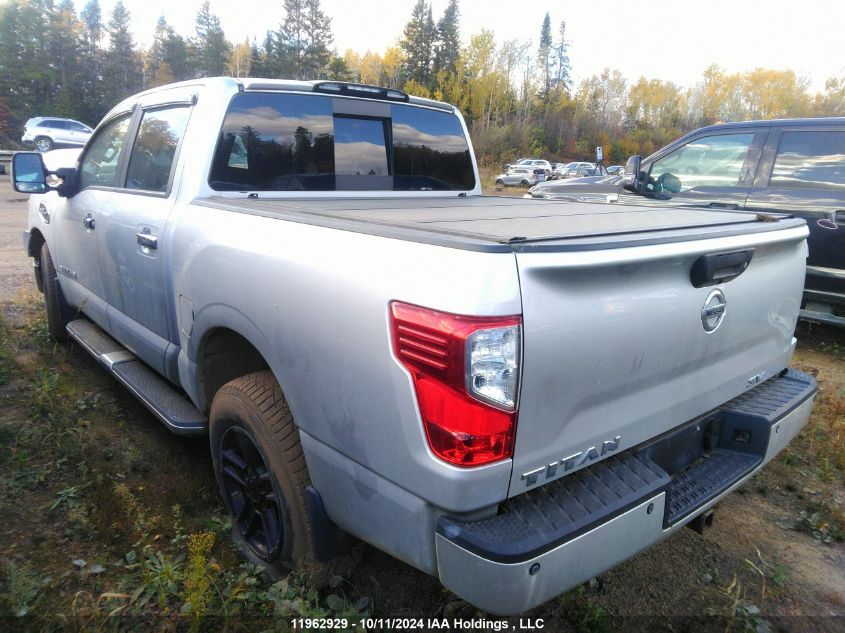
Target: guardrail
[{"x": 5, "y": 159}]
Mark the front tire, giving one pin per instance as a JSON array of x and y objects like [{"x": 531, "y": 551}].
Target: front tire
[
  {"x": 54, "y": 301},
  {"x": 43, "y": 144},
  {"x": 262, "y": 474}
]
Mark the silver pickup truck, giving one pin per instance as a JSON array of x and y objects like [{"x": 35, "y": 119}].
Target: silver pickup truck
[{"x": 510, "y": 394}]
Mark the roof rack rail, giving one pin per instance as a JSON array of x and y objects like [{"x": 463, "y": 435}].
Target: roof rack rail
[{"x": 360, "y": 90}]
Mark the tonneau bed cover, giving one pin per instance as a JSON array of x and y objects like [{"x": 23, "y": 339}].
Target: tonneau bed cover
[{"x": 503, "y": 223}]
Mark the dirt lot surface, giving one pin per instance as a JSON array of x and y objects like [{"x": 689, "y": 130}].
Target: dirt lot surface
[
  {"x": 14, "y": 265},
  {"x": 79, "y": 508}
]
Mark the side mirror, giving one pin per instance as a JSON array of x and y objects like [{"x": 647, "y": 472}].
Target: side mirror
[
  {"x": 30, "y": 175},
  {"x": 632, "y": 180}
]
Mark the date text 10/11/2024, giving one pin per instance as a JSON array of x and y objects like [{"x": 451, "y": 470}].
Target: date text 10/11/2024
[{"x": 419, "y": 624}]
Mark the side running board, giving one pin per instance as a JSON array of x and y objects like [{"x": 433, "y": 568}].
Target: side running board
[{"x": 171, "y": 407}]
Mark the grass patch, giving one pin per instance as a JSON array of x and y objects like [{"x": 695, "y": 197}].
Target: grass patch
[{"x": 114, "y": 524}]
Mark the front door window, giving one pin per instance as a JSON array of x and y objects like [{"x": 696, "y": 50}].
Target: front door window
[{"x": 709, "y": 161}]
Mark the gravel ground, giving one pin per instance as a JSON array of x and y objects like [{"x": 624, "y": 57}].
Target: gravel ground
[{"x": 15, "y": 267}]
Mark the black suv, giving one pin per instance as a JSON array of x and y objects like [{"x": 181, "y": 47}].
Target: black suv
[{"x": 794, "y": 166}]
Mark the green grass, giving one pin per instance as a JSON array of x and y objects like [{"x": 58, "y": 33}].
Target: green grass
[{"x": 104, "y": 550}]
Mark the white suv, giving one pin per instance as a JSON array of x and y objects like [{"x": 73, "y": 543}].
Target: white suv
[
  {"x": 535, "y": 163},
  {"x": 45, "y": 133}
]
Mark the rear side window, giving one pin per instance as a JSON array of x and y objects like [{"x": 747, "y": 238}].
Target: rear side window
[
  {"x": 290, "y": 142},
  {"x": 431, "y": 151},
  {"x": 154, "y": 152},
  {"x": 810, "y": 160}
]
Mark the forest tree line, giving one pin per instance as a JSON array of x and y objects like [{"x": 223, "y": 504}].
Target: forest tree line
[{"x": 518, "y": 96}]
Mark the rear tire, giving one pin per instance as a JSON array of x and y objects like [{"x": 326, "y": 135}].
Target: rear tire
[
  {"x": 54, "y": 301},
  {"x": 43, "y": 144},
  {"x": 262, "y": 475}
]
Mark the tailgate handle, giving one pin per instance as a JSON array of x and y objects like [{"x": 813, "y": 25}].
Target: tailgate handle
[
  {"x": 717, "y": 268},
  {"x": 732, "y": 206}
]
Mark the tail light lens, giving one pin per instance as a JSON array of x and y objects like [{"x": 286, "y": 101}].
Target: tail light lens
[{"x": 466, "y": 377}]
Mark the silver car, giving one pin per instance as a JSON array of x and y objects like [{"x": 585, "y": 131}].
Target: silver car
[
  {"x": 520, "y": 177},
  {"x": 45, "y": 133},
  {"x": 575, "y": 170}
]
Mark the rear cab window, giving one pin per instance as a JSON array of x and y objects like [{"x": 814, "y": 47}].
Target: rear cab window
[{"x": 308, "y": 142}]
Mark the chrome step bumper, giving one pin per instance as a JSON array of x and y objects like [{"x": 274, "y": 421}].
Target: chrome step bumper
[{"x": 559, "y": 535}]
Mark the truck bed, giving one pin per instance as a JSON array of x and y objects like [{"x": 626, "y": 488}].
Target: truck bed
[{"x": 493, "y": 223}]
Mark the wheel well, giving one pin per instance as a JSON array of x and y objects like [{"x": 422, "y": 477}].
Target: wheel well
[
  {"x": 36, "y": 240},
  {"x": 224, "y": 356}
]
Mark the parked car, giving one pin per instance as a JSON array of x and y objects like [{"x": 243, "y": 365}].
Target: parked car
[
  {"x": 45, "y": 133},
  {"x": 615, "y": 170},
  {"x": 545, "y": 165},
  {"x": 349, "y": 331},
  {"x": 521, "y": 177},
  {"x": 576, "y": 170},
  {"x": 790, "y": 166}
]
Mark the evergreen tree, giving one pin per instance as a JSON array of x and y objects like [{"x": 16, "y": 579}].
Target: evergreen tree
[
  {"x": 210, "y": 49},
  {"x": 158, "y": 69},
  {"x": 26, "y": 78},
  {"x": 121, "y": 67},
  {"x": 64, "y": 44},
  {"x": 448, "y": 39},
  {"x": 256, "y": 63},
  {"x": 563, "y": 75},
  {"x": 319, "y": 31},
  {"x": 302, "y": 41},
  {"x": 544, "y": 57},
  {"x": 418, "y": 44},
  {"x": 176, "y": 55},
  {"x": 339, "y": 70},
  {"x": 93, "y": 99}
]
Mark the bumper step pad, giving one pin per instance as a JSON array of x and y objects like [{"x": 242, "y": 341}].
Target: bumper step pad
[
  {"x": 697, "y": 484},
  {"x": 559, "y": 511},
  {"x": 171, "y": 407},
  {"x": 543, "y": 518}
]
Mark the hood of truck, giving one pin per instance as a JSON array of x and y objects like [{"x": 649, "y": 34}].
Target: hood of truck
[{"x": 616, "y": 350}]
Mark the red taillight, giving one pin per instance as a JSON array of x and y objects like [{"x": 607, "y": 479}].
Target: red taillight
[{"x": 461, "y": 429}]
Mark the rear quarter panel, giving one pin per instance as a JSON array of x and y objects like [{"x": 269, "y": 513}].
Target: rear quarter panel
[{"x": 314, "y": 301}]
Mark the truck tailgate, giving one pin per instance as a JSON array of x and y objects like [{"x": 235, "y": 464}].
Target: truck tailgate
[{"x": 615, "y": 345}]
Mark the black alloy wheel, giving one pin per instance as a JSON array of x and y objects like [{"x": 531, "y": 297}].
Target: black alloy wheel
[{"x": 257, "y": 511}]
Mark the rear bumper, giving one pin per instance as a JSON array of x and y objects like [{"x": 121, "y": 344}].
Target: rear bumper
[{"x": 560, "y": 535}]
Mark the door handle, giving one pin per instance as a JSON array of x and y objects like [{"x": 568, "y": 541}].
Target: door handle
[
  {"x": 724, "y": 205},
  {"x": 88, "y": 222},
  {"x": 146, "y": 240}
]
